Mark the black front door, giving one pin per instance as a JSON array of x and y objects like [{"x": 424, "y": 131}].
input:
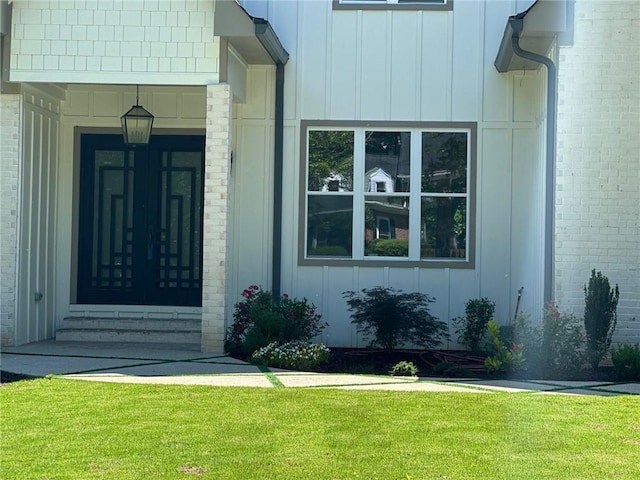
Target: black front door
[{"x": 140, "y": 230}]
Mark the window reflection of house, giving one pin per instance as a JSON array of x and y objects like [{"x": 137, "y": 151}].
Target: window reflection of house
[
  {"x": 373, "y": 219},
  {"x": 386, "y": 226},
  {"x": 390, "y": 218},
  {"x": 378, "y": 180},
  {"x": 333, "y": 183}
]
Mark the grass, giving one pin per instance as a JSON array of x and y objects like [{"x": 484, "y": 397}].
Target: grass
[{"x": 65, "y": 429}]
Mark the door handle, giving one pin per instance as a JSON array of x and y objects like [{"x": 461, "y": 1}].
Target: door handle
[{"x": 150, "y": 246}]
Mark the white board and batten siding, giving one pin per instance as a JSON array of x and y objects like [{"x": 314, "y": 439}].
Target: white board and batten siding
[
  {"x": 250, "y": 254},
  {"x": 29, "y": 236},
  {"x": 418, "y": 66}
]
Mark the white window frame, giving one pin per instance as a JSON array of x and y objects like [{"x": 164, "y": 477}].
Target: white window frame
[
  {"x": 393, "y": 4},
  {"x": 360, "y": 191},
  {"x": 379, "y": 221}
]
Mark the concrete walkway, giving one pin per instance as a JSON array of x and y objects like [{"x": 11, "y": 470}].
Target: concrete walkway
[{"x": 181, "y": 365}]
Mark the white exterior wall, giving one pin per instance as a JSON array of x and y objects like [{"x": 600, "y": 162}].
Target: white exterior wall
[
  {"x": 418, "y": 66},
  {"x": 598, "y": 180},
  {"x": 10, "y": 151},
  {"x": 345, "y": 65},
  {"x": 251, "y": 231},
  {"x": 87, "y": 41},
  {"x": 36, "y": 241},
  {"x": 29, "y": 160}
]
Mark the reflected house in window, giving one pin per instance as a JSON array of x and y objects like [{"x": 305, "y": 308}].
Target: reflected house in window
[
  {"x": 422, "y": 166},
  {"x": 385, "y": 217},
  {"x": 379, "y": 180},
  {"x": 334, "y": 183},
  {"x": 387, "y": 162}
]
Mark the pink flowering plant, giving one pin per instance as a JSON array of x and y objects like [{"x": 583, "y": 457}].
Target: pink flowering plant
[
  {"x": 555, "y": 348},
  {"x": 259, "y": 319},
  {"x": 563, "y": 343}
]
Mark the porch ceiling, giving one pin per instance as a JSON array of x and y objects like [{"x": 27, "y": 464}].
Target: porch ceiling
[{"x": 252, "y": 37}]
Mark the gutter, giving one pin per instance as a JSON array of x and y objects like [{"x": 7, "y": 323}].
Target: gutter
[
  {"x": 274, "y": 48},
  {"x": 278, "y": 161},
  {"x": 517, "y": 24}
]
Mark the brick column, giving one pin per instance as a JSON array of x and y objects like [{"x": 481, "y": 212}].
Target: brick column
[
  {"x": 10, "y": 138},
  {"x": 216, "y": 216}
]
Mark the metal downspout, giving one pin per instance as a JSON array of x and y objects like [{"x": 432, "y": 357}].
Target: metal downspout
[
  {"x": 552, "y": 77},
  {"x": 277, "y": 181}
]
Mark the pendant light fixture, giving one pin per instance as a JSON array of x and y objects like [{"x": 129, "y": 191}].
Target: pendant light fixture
[{"x": 136, "y": 124}]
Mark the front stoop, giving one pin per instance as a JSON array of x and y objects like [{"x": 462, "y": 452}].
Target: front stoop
[{"x": 130, "y": 330}]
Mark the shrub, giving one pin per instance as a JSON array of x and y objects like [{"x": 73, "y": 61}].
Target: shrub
[
  {"x": 555, "y": 349},
  {"x": 404, "y": 369},
  {"x": 626, "y": 360},
  {"x": 563, "y": 343},
  {"x": 503, "y": 360},
  {"x": 259, "y": 320},
  {"x": 473, "y": 326},
  {"x": 295, "y": 355},
  {"x": 600, "y": 317},
  {"x": 393, "y": 318}
]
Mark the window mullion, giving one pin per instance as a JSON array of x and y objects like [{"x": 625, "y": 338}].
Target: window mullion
[
  {"x": 414, "y": 196},
  {"x": 358, "y": 195}
]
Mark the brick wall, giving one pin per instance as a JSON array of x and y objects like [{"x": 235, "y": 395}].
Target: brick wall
[
  {"x": 598, "y": 176},
  {"x": 81, "y": 40},
  {"x": 216, "y": 217},
  {"x": 10, "y": 120}
]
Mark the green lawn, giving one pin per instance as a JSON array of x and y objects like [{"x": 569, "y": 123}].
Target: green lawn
[{"x": 60, "y": 428}]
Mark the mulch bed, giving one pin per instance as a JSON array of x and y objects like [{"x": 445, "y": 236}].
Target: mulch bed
[
  {"x": 349, "y": 360},
  {"x": 8, "y": 377}
]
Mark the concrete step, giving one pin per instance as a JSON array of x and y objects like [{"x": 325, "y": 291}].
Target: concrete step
[
  {"x": 131, "y": 323},
  {"x": 129, "y": 330}
]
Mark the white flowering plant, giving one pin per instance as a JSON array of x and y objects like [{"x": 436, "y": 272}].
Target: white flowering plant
[{"x": 295, "y": 355}]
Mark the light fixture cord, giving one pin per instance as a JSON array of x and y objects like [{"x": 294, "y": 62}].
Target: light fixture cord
[{"x": 137, "y": 94}]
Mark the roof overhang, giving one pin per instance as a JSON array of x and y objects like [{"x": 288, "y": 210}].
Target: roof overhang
[
  {"x": 539, "y": 27},
  {"x": 252, "y": 37}
]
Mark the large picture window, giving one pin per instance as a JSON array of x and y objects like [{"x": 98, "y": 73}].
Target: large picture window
[{"x": 376, "y": 193}]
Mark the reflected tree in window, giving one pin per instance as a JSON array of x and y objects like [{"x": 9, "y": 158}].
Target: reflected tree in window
[
  {"x": 330, "y": 161},
  {"x": 329, "y": 226},
  {"x": 444, "y": 162},
  {"x": 444, "y": 227}
]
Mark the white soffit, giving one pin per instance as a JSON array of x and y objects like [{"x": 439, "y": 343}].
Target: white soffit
[{"x": 252, "y": 37}]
